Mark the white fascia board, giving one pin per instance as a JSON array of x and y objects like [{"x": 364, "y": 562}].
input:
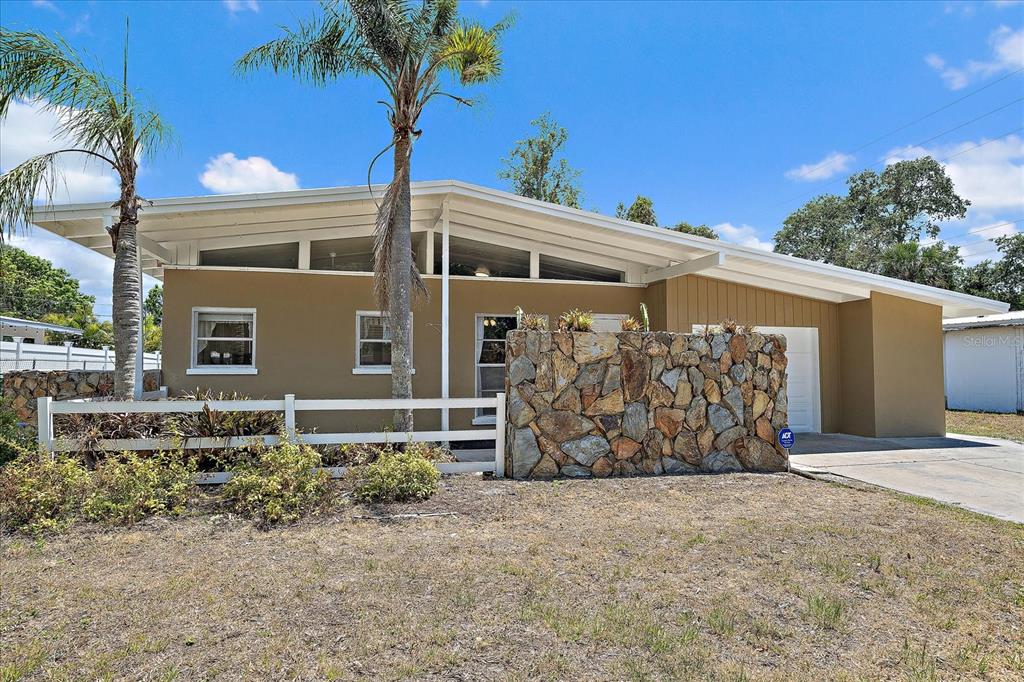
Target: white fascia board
[{"x": 690, "y": 267}]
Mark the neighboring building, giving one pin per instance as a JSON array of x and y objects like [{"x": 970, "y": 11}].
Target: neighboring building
[
  {"x": 31, "y": 331},
  {"x": 268, "y": 294},
  {"x": 985, "y": 362}
]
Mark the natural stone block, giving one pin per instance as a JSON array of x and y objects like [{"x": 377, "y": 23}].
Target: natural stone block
[
  {"x": 658, "y": 395},
  {"x": 590, "y": 346},
  {"x": 634, "y": 421},
  {"x": 684, "y": 394},
  {"x": 672, "y": 466},
  {"x": 671, "y": 378},
  {"x": 521, "y": 369},
  {"x": 586, "y": 450},
  {"x": 575, "y": 471},
  {"x": 561, "y": 426},
  {"x": 624, "y": 448},
  {"x": 669, "y": 420},
  {"x": 727, "y": 437},
  {"x": 720, "y": 418},
  {"x": 569, "y": 400},
  {"x": 712, "y": 392},
  {"x": 602, "y": 468},
  {"x": 609, "y": 404},
  {"x": 636, "y": 368},
  {"x": 519, "y": 412},
  {"x": 612, "y": 380},
  {"x": 525, "y": 453},
  {"x": 687, "y": 448},
  {"x": 590, "y": 374},
  {"x": 721, "y": 462}
]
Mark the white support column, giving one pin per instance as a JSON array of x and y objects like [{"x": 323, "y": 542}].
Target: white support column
[
  {"x": 445, "y": 309},
  {"x": 44, "y": 422},
  {"x": 499, "y": 437},
  {"x": 428, "y": 266},
  {"x": 68, "y": 349},
  {"x": 535, "y": 265},
  {"x": 303, "y": 254}
]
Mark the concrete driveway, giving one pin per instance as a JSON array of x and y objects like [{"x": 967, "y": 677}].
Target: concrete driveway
[{"x": 981, "y": 474}]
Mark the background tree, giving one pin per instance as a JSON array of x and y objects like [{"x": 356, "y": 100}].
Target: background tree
[
  {"x": 533, "y": 171},
  {"x": 866, "y": 229},
  {"x": 640, "y": 211},
  {"x": 153, "y": 306},
  {"x": 104, "y": 122},
  {"x": 30, "y": 287},
  {"x": 935, "y": 265},
  {"x": 698, "y": 230},
  {"x": 409, "y": 48},
  {"x": 95, "y": 334},
  {"x": 1002, "y": 280}
]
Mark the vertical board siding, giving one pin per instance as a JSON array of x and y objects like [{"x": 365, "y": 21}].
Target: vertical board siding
[{"x": 692, "y": 299}]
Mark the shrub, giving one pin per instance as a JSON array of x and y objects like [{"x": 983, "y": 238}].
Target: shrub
[
  {"x": 396, "y": 477},
  {"x": 93, "y": 428},
  {"x": 359, "y": 454},
  {"x": 216, "y": 423},
  {"x": 576, "y": 320},
  {"x": 631, "y": 324},
  {"x": 728, "y": 325},
  {"x": 127, "y": 488},
  {"x": 14, "y": 438},
  {"x": 279, "y": 484},
  {"x": 41, "y": 493}
]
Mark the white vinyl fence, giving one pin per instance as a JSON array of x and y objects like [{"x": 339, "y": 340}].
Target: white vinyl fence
[
  {"x": 47, "y": 408},
  {"x": 16, "y": 355}
]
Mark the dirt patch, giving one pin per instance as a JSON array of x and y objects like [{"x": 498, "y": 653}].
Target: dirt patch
[
  {"x": 719, "y": 577},
  {"x": 993, "y": 425}
]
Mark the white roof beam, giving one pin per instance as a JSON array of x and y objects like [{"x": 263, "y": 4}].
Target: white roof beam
[{"x": 689, "y": 267}]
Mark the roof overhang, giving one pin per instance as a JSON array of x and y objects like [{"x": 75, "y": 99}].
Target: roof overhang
[
  {"x": 16, "y": 324},
  {"x": 169, "y": 229}
]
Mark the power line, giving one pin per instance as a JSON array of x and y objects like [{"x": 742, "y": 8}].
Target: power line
[
  {"x": 924, "y": 142},
  {"x": 916, "y": 120}
]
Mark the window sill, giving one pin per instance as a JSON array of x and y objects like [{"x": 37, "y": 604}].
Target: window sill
[
  {"x": 373, "y": 370},
  {"x": 221, "y": 370},
  {"x": 487, "y": 420}
]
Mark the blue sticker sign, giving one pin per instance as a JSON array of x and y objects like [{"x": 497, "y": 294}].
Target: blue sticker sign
[{"x": 786, "y": 438}]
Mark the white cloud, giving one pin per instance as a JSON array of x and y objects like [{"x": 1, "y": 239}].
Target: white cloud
[
  {"x": 47, "y": 5},
  {"x": 991, "y": 176},
  {"x": 744, "y": 235},
  {"x": 227, "y": 174},
  {"x": 236, "y": 6},
  {"x": 832, "y": 164},
  {"x": 1007, "y": 54},
  {"x": 29, "y": 130}
]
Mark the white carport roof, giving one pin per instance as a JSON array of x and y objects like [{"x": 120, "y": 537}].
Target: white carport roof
[{"x": 170, "y": 230}]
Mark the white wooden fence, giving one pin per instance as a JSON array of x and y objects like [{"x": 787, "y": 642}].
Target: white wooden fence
[
  {"x": 18, "y": 355},
  {"x": 47, "y": 408}
]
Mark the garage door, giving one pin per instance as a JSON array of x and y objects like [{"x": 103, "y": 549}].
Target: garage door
[{"x": 803, "y": 378}]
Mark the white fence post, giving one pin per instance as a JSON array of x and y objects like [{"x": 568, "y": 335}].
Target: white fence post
[
  {"x": 106, "y": 357},
  {"x": 289, "y": 416},
  {"x": 17, "y": 352},
  {"x": 70, "y": 346},
  {"x": 499, "y": 437},
  {"x": 44, "y": 422}
]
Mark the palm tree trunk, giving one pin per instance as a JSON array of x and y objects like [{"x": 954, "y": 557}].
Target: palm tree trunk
[
  {"x": 400, "y": 294},
  {"x": 127, "y": 312}
]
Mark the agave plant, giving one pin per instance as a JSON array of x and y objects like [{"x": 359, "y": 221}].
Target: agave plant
[
  {"x": 103, "y": 120},
  {"x": 409, "y": 48}
]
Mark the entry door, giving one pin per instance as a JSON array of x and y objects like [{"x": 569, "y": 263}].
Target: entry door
[{"x": 803, "y": 384}]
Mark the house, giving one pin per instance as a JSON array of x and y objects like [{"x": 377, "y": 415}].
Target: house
[
  {"x": 984, "y": 360},
  {"x": 17, "y": 330},
  {"x": 268, "y": 294}
]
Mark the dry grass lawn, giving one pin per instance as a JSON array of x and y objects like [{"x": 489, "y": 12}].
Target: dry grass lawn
[
  {"x": 1009, "y": 426},
  {"x": 705, "y": 577}
]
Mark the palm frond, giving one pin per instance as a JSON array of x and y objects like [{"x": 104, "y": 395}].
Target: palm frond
[
  {"x": 20, "y": 186},
  {"x": 385, "y": 27},
  {"x": 471, "y": 52},
  {"x": 383, "y": 263},
  {"x": 33, "y": 66}
]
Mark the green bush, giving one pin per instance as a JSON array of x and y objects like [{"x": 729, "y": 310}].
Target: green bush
[
  {"x": 39, "y": 493},
  {"x": 14, "y": 439},
  {"x": 278, "y": 484},
  {"x": 127, "y": 488},
  {"x": 396, "y": 477}
]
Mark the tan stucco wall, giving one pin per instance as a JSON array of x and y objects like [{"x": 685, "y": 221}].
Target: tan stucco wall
[
  {"x": 880, "y": 359},
  {"x": 693, "y": 299},
  {"x": 305, "y": 333},
  {"x": 909, "y": 395},
  {"x": 892, "y": 373}
]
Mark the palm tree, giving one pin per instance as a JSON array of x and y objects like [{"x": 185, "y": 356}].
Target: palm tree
[
  {"x": 102, "y": 120},
  {"x": 409, "y": 48}
]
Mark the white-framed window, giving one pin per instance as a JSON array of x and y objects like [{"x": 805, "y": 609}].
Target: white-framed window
[
  {"x": 489, "y": 358},
  {"x": 373, "y": 343},
  {"x": 223, "y": 341}
]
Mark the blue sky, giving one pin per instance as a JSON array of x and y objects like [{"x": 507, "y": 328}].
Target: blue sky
[{"x": 731, "y": 114}]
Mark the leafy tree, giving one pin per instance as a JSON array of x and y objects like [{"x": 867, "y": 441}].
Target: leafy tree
[
  {"x": 409, "y": 48},
  {"x": 153, "y": 306},
  {"x": 699, "y": 230},
  {"x": 640, "y": 211},
  {"x": 152, "y": 335},
  {"x": 30, "y": 287},
  {"x": 533, "y": 171},
  {"x": 1002, "y": 280},
  {"x": 104, "y": 121},
  {"x": 936, "y": 265},
  {"x": 904, "y": 203},
  {"x": 95, "y": 334}
]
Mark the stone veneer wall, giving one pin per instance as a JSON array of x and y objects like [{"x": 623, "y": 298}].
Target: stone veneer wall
[
  {"x": 22, "y": 387},
  {"x": 617, "y": 404}
]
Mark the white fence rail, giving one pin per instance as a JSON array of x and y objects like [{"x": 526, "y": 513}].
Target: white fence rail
[
  {"x": 290, "y": 406},
  {"x": 38, "y": 356}
]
